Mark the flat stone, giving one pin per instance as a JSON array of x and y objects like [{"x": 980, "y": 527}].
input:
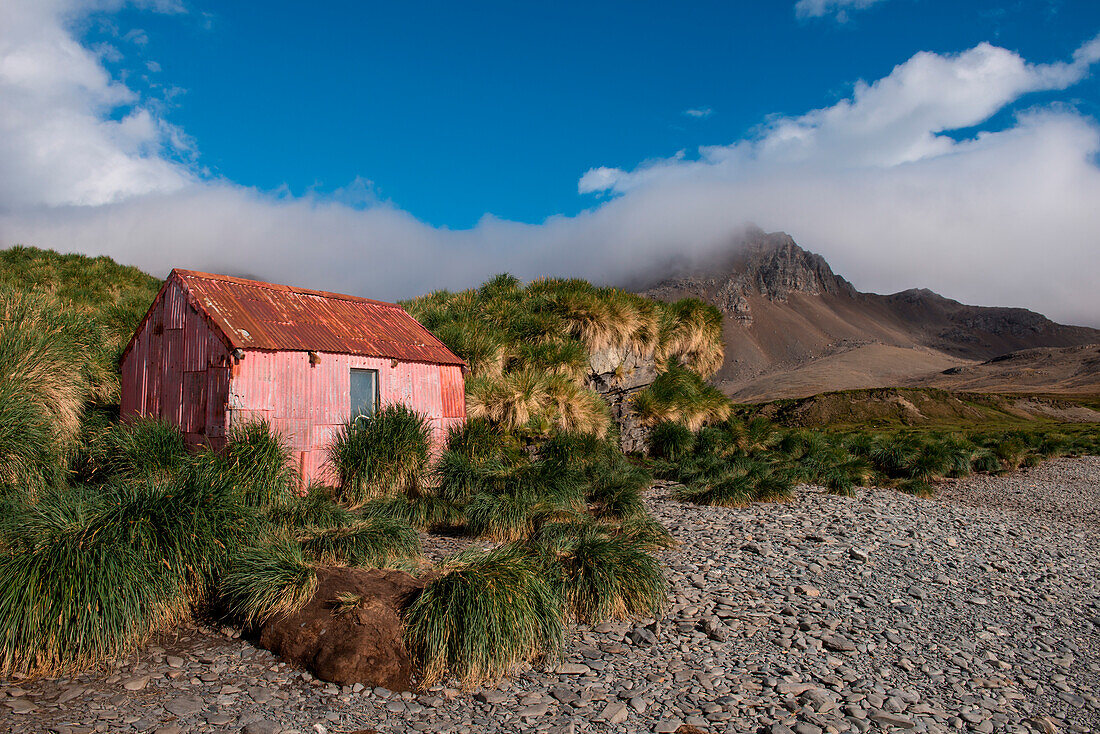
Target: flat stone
[
  {"x": 21, "y": 706},
  {"x": 136, "y": 684},
  {"x": 70, "y": 693},
  {"x": 838, "y": 643},
  {"x": 185, "y": 706},
  {"x": 534, "y": 712},
  {"x": 614, "y": 713},
  {"x": 573, "y": 669},
  {"x": 888, "y": 719},
  {"x": 261, "y": 727}
]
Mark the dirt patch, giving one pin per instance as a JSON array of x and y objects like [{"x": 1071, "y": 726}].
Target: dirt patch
[{"x": 350, "y": 631}]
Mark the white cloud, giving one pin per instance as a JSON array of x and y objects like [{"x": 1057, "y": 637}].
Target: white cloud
[
  {"x": 58, "y": 142},
  {"x": 699, "y": 112},
  {"x": 838, "y": 8},
  {"x": 1005, "y": 217}
]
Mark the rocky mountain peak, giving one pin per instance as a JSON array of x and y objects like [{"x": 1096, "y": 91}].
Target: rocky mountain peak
[{"x": 771, "y": 265}]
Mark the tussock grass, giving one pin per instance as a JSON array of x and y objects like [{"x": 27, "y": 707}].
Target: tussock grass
[
  {"x": 487, "y": 612},
  {"x": 346, "y": 601},
  {"x": 259, "y": 460},
  {"x": 374, "y": 542},
  {"x": 317, "y": 508},
  {"x": 691, "y": 333},
  {"x": 646, "y": 532},
  {"x": 475, "y": 450},
  {"x": 530, "y": 347},
  {"x": 738, "y": 461},
  {"x": 137, "y": 450},
  {"x": 603, "y": 575},
  {"x": 514, "y": 502},
  {"x": 680, "y": 395},
  {"x": 99, "y": 301},
  {"x": 670, "y": 441},
  {"x": 536, "y": 402},
  {"x": 42, "y": 386},
  {"x": 86, "y": 575},
  {"x": 423, "y": 511},
  {"x": 381, "y": 456},
  {"x": 740, "y": 484},
  {"x": 267, "y": 580}
]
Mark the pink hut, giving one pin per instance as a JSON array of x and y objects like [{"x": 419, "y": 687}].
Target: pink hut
[{"x": 214, "y": 351}]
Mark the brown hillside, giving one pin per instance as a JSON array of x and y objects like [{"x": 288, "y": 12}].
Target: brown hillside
[
  {"x": 1055, "y": 369},
  {"x": 793, "y": 328}
]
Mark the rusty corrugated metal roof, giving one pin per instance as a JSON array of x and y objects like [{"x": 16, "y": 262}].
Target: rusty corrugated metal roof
[{"x": 257, "y": 315}]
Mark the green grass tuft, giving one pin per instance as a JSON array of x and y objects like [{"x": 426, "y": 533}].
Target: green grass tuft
[
  {"x": 374, "y": 542},
  {"x": 488, "y": 611},
  {"x": 603, "y": 575},
  {"x": 268, "y": 580},
  {"x": 381, "y": 456}
]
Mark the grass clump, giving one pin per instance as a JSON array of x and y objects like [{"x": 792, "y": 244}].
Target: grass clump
[
  {"x": 42, "y": 387},
  {"x": 100, "y": 303},
  {"x": 670, "y": 441},
  {"x": 259, "y": 460},
  {"x": 87, "y": 574},
  {"x": 603, "y": 575},
  {"x": 267, "y": 580},
  {"x": 374, "y": 542},
  {"x": 530, "y": 347},
  {"x": 423, "y": 511},
  {"x": 380, "y": 456},
  {"x": 487, "y": 612},
  {"x": 137, "y": 450},
  {"x": 515, "y": 501},
  {"x": 680, "y": 395}
]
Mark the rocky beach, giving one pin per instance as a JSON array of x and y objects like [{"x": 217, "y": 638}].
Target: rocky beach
[{"x": 977, "y": 610}]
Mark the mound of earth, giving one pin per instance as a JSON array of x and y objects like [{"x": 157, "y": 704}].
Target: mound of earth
[
  {"x": 361, "y": 644},
  {"x": 792, "y": 327}
]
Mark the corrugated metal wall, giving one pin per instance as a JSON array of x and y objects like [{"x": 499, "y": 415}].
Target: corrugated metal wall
[
  {"x": 308, "y": 402},
  {"x": 177, "y": 370}
]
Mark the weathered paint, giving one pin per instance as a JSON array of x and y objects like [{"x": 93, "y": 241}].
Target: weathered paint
[
  {"x": 181, "y": 368},
  {"x": 176, "y": 369},
  {"x": 250, "y": 314}
]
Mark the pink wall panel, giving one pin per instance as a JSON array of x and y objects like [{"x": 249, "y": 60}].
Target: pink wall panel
[{"x": 308, "y": 402}]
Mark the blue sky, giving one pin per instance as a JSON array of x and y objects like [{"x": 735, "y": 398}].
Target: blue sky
[
  {"x": 389, "y": 149},
  {"x": 454, "y": 110}
]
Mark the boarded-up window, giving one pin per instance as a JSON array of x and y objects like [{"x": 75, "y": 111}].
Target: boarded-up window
[{"x": 364, "y": 393}]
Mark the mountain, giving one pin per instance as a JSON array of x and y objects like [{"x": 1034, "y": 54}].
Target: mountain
[{"x": 794, "y": 328}]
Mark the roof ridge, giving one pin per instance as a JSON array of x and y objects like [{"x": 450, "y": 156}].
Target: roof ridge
[
  {"x": 248, "y": 315},
  {"x": 279, "y": 287}
]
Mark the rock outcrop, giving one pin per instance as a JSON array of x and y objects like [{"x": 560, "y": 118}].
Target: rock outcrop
[
  {"x": 768, "y": 265},
  {"x": 618, "y": 374}
]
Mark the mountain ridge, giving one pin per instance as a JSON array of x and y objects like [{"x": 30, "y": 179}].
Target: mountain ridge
[{"x": 785, "y": 310}]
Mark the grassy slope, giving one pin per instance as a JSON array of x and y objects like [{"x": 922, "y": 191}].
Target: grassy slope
[
  {"x": 92, "y": 284},
  {"x": 106, "y": 300}
]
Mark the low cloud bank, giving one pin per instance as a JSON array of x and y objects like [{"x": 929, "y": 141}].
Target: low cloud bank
[{"x": 875, "y": 183}]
